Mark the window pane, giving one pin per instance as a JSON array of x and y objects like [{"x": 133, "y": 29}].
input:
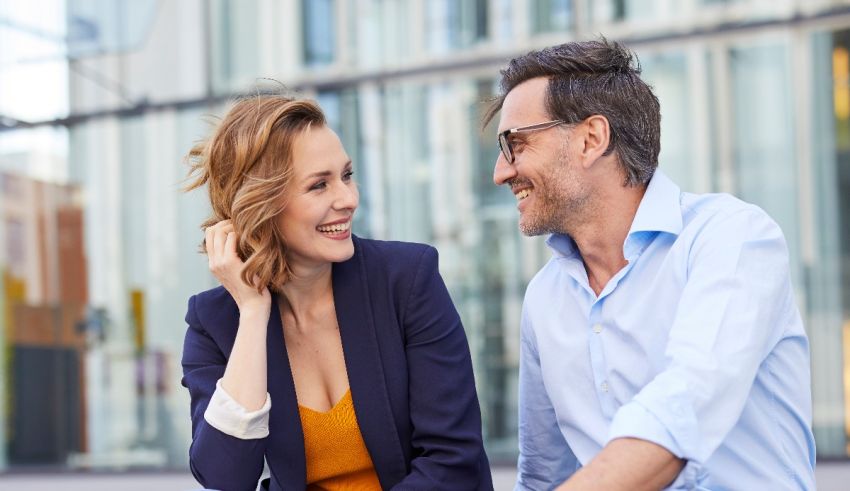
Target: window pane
[
  {"x": 235, "y": 49},
  {"x": 319, "y": 35},
  {"x": 551, "y": 15},
  {"x": 667, "y": 74},
  {"x": 764, "y": 150},
  {"x": 456, "y": 25},
  {"x": 828, "y": 278}
]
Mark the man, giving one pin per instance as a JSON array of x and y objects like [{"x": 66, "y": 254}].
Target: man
[{"x": 661, "y": 345}]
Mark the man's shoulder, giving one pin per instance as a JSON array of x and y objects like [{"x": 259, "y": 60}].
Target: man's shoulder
[
  {"x": 712, "y": 210},
  {"x": 542, "y": 282}
]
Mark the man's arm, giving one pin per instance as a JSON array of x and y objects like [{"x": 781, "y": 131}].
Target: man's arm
[
  {"x": 545, "y": 459},
  {"x": 627, "y": 464},
  {"x": 735, "y": 306}
]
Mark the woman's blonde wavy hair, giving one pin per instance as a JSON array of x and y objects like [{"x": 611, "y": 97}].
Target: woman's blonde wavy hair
[{"x": 247, "y": 166}]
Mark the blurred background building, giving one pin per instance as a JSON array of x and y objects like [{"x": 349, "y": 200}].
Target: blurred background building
[{"x": 101, "y": 99}]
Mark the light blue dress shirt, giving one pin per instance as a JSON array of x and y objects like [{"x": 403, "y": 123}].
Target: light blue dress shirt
[{"x": 696, "y": 345}]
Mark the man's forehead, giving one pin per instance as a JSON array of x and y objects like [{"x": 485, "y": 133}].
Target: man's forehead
[{"x": 524, "y": 104}]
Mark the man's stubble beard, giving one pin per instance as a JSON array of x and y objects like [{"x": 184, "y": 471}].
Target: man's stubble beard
[{"x": 561, "y": 199}]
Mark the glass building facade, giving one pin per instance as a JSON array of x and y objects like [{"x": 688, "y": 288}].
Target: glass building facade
[{"x": 98, "y": 247}]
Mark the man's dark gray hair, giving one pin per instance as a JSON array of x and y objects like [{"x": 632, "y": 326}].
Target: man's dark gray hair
[{"x": 596, "y": 77}]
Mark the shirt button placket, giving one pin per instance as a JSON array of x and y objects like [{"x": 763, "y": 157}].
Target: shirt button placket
[{"x": 597, "y": 359}]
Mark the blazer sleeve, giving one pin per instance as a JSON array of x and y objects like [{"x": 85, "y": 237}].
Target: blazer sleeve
[
  {"x": 217, "y": 460},
  {"x": 444, "y": 413}
]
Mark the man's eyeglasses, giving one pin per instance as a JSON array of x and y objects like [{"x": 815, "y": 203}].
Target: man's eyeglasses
[{"x": 505, "y": 142}]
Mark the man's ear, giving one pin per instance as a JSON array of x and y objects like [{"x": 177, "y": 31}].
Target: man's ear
[{"x": 597, "y": 136}]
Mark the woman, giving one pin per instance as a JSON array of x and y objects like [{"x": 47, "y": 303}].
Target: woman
[{"x": 341, "y": 361}]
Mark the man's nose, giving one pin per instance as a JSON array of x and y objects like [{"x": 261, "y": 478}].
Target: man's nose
[{"x": 503, "y": 170}]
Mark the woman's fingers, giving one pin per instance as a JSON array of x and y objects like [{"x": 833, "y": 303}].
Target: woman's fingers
[
  {"x": 220, "y": 242},
  {"x": 230, "y": 244},
  {"x": 209, "y": 240},
  {"x": 220, "y": 239}
]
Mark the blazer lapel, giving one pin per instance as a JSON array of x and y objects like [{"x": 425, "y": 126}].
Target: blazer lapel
[
  {"x": 285, "y": 448},
  {"x": 365, "y": 370}
]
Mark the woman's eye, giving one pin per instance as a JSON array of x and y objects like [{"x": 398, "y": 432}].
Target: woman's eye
[
  {"x": 347, "y": 175},
  {"x": 318, "y": 185}
]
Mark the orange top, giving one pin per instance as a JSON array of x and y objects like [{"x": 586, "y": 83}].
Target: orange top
[{"x": 337, "y": 458}]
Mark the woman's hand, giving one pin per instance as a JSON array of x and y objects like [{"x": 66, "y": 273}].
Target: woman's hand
[{"x": 226, "y": 265}]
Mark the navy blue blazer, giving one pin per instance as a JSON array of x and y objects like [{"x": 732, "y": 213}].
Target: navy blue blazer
[{"x": 409, "y": 370}]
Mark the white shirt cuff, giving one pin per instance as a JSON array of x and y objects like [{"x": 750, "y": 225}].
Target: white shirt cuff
[{"x": 228, "y": 416}]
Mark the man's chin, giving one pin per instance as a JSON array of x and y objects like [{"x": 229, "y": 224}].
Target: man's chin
[{"x": 531, "y": 229}]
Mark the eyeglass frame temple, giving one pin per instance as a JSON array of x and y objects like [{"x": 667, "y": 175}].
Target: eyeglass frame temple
[{"x": 521, "y": 129}]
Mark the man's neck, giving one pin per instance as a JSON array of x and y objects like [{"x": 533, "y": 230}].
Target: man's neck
[{"x": 600, "y": 237}]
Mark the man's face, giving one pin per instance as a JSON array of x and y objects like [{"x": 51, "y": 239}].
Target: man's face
[{"x": 550, "y": 193}]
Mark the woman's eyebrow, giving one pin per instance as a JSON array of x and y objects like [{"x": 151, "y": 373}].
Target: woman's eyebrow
[{"x": 324, "y": 173}]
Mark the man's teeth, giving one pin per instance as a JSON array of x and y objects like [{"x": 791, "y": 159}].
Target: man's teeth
[
  {"x": 521, "y": 195},
  {"x": 339, "y": 227}
]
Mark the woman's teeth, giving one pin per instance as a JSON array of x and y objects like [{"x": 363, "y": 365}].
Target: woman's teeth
[{"x": 330, "y": 229}]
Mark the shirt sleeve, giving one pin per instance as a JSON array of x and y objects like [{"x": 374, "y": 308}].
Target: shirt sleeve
[
  {"x": 228, "y": 416},
  {"x": 735, "y": 306},
  {"x": 545, "y": 458}
]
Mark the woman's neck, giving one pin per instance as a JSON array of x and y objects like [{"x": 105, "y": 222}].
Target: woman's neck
[{"x": 307, "y": 290}]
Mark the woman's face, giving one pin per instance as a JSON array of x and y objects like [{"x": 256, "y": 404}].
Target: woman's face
[{"x": 316, "y": 222}]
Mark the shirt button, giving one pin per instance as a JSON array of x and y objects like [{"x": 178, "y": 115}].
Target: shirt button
[
  {"x": 597, "y": 328},
  {"x": 604, "y": 386}
]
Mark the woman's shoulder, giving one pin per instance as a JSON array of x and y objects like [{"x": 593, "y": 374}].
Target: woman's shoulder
[
  {"x": 216, "y": 296},
  {"x": 211, "y": 307},
  {"x": 390, "y": 246},
  {"x": 394, "y": 255}
]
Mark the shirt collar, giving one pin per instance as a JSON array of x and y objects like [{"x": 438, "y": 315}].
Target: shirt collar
[
  {"x": 660, "y": 208},
  {"x": 659, "y": 211},
  {"x": 562, "y": 245}
]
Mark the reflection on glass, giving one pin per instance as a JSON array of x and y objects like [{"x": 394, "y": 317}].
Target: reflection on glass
[
  {"x": 44, "y": 297},
  {"x": 104, "y": 26},
  {"x": 764, "y": 149},
  {"x": 828, "y": 284},
  {"x": 453, "y": 25},
  {"x": 235, "y": 53},
  {"x": 485, "y": 150},
  {"x": 551, "y": 15},
  {"x": 667, "y": 74},
  {"x": 408, "y": 167},
  {"x": 608, "y": 11},
  {"x": 319, "y": 31},
  {"x": 342, "y": 111}
]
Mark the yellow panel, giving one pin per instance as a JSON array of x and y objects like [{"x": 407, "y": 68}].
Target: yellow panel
[{"x": 137, "y": 303}]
